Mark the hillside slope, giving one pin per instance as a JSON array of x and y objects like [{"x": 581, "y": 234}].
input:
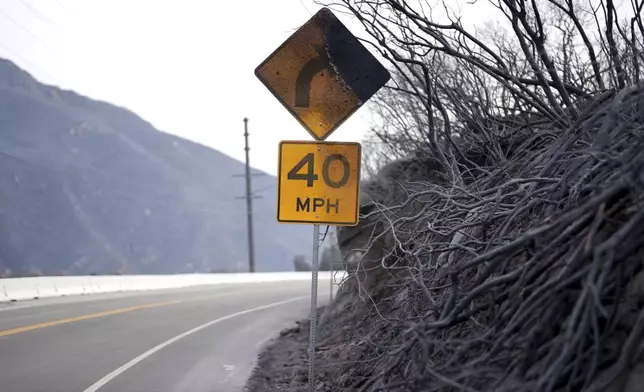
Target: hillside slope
[
  {"x": 498, "y": 289},
  {"x": 87, "y": 187}
]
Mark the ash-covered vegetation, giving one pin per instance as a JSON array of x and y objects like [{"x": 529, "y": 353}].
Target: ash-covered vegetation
[{"x": 502, "y": 248}]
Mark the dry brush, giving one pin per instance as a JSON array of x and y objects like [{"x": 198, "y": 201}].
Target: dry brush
[{"x": 505, "y": 253}]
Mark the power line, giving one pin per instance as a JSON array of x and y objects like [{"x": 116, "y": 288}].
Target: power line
[
  {"x": 48, "y": 21},
  {"x": 306, "y": 8},
  {"x": 61, "y": 5},
  {"x": 35, "y": 12},
  {"x": 34, "y": 35},
  {"x": 131, "y": 195},
  {"x": 55, "y": 79},
  {"x": 10, "y": 19},
  {"x": 264, "y": 188},
  {"x": 15, "y": 158}
]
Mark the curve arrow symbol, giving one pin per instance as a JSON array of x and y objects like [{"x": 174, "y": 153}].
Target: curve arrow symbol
[{"x": 304, "y": 79}]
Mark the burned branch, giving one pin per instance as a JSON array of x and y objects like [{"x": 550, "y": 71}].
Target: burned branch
[{"x": 518, "y": 269}]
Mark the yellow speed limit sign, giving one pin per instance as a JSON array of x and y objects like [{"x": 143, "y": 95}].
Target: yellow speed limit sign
[{"x": 318, "y": 182}]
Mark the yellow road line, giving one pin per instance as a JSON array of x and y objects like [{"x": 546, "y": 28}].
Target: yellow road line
[{"x": 81, "y": 318}]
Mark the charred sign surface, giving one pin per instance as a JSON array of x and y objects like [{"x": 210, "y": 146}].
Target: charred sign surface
[{"x": 322, "y": 74}]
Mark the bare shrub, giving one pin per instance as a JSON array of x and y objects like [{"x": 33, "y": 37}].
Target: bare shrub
[{"x": 512, "y": 262}]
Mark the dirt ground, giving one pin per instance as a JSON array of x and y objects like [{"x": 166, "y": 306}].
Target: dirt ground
[
  {"x": 346, "y": 329},
  {"x": 283, "y": 365}
]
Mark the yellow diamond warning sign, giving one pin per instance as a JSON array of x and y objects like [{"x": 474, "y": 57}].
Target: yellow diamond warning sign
[
  {"x": 318, "y": 182},
  {"x": 322, "y": 74}
]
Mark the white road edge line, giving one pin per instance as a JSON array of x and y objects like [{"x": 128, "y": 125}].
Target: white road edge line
[
  {"x": 9, "y": 307},
  {"x": 100, "y": 383}
]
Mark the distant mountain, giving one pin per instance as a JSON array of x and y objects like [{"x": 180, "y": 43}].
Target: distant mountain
[{"x": 88, "y": 187}]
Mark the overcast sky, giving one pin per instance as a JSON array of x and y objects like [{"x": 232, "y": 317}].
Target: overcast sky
[{"x": 184, "y": 65}]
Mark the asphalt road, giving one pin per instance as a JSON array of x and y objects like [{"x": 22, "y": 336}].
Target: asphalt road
[{"x": 198, "y": 339}]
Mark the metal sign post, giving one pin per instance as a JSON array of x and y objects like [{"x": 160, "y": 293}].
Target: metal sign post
[
  {"x": 331, "y": 283},
  {"x": 314, "y": 305},
  {"x": 321, "y": 74},
  {"x": 331, "y": 264}
]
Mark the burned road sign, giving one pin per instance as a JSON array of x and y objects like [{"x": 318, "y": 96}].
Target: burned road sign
[
  {"x": 322, "y": 74},
  {"x": 318, "y": 182}
]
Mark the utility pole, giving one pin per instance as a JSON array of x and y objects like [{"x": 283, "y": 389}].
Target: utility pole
[{"x": 249, "y": 201}]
